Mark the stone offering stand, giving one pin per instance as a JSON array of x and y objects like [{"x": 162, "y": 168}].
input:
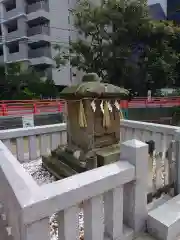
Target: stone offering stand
[{"x": 93, "y": 120}]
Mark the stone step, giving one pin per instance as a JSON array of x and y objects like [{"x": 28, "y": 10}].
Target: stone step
[
  {"x": 108, "y": 154},
  {"x": 61, "y": 169},
  {"x": 164, "y": 221},
  {"x": 69, "y": 159}
]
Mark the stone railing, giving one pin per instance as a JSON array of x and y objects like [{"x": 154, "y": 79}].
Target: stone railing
[
  {"x": 162, "y": 160},
  {"x": 161, "y": 134},
  {"x": 38, "y": 141},
  {"x": 32, "y": 143},
  {"x": 105, "y": 198},
  {"x": 29, "y": 144}
]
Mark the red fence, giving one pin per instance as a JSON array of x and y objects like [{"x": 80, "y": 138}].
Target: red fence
[
  {"x": 31, "y": 107},
  {"x": 23, "y": 107},
  {"x": 154, "y": 102}
]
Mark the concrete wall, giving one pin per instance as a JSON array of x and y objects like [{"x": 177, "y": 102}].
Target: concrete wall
[
  {"x": 40, "y": 119},
  {"x": 147, "y": 114}
]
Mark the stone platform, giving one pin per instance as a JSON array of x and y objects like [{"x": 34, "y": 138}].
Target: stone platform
[{"x": 63, "y": 163}]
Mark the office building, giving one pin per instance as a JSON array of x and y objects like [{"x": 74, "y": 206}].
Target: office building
[
  {"x": 158, "y": 9},
  {"x": 29, "y": 29}
]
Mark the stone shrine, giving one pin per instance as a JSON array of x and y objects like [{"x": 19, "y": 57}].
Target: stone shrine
[{"x": 93, "y": 127}]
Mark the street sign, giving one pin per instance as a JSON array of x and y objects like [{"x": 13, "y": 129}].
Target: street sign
[{"x": 28, "y": 121}]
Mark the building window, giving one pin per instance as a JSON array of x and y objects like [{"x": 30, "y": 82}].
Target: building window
[
  {"x": 14, "y": 48},
  {"x": 1, "y": 51},
  {"x": 10, "y": 5},
  {"x": 12, "y": 27}
]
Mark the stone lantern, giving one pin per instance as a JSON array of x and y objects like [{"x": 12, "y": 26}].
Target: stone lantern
[{"x": 93, "y": 126}]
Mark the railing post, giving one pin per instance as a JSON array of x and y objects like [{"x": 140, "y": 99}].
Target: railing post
[
  {"x": 4, "y": 109},
  {"x": 59, "y": 107},
  {"x": 39, "y": 230},
  {"x": 177, "y": 162},
  {"x": 35, "y": 108},
  {"x": 135, "y": 192}
]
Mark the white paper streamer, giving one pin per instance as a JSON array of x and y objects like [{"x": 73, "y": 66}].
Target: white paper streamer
[
  {"x": 93, "y": 105},
  {"x": 109, "y": 107},
  {"x": 102, "y": 107},
  {"x": 116, "y": 104}
]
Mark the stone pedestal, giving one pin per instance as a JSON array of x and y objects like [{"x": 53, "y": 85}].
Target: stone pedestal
[{"x": 93, "y": 128}]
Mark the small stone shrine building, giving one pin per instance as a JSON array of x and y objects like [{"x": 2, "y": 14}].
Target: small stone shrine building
[{"x": 93, "y": 124}]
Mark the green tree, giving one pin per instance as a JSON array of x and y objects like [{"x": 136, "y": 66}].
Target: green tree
[
  {"x": 122, "y": 44},
  {"x": 16, "y": 83}
]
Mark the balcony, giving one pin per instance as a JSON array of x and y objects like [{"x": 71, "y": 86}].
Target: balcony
[
  {"x": 38, "y": 9},
  {"x": 14, "y": 36},
  {"x": 39, "y": 52},
  {"x": 34, "y": 7},
  {"x": 17, "y": 51},
  {"x": 39, "y": 33},
  {"x": 40, "y": 56},
  {"x": 11, "y": 11},
  {"x": 13, "y": 57},
  {"x": 16, "y": 29},
  {"x": 44, "y": 30}
]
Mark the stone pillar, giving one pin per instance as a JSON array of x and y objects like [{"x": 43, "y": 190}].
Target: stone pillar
[
  {"x": 135, "y": 192},
  {"x": 39, "y": 230}
]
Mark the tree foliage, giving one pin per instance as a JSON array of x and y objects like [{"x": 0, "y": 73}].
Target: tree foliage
[
  {"x": 121, "y": 43},
  {"x": 23, "y": 84}
]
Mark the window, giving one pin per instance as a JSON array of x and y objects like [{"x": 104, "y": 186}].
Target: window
[
  {"x": 13, "y": 48},
  {"x": 12, "y": 27},
  {"x": 10, "y": 5},
  {"x": 1, "y": 51}
]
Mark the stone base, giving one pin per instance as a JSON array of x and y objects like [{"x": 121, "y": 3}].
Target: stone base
[
  {"x": 108, "y": 154},
  {"x": 62, "y": 164},
  {"x": 66, "y": 162}
]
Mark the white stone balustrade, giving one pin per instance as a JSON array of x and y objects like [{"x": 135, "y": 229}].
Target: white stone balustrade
[
  {"x": 109, "y": 194},
  {"x": 41, "y": 139},
  {"x": 32, "y": 143},
  {"x": 28, "y": 144}
]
